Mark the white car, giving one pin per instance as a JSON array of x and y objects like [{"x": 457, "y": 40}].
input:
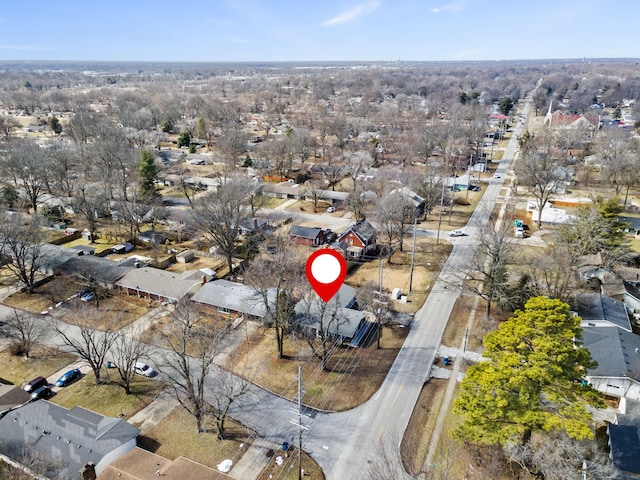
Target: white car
[
  {"x": 331, "y": 210},
  {"x": 496, "y": 176},
  {"x": 144, "y": 370},
  {"x": 457, "y": 233}
]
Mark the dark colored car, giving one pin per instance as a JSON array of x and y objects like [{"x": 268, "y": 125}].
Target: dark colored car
[
  {"x": 35, "y": 384},
  {"x": 68, "y": 377},
  {"x": 42, "y": 392}
]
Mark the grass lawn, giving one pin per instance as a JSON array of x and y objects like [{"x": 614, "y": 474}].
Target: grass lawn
[
  {"x": 289, "y": 468},
  {"x": 42, "y": 362},
  {"x": 415, "y": 443},
  {"x": 176, "y": 435},
  {"x": 362, "y": 369},
  {"x": 108, "y": 399},
  {"x": 114, "y": 312}
]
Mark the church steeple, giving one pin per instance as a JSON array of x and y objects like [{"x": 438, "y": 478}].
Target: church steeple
[{"x": 547, "y": 117}]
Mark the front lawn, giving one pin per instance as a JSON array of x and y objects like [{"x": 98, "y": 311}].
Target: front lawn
[
  {"x": 43, "y": 362},
  {"x": 353, "y": 375},
  {"x": 108, "y": 398}
]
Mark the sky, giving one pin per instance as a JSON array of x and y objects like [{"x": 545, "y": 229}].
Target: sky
[{"x": 311, "y": 30}]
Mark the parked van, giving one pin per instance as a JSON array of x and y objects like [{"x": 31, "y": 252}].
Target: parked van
[{"x": 35, "y": 384}]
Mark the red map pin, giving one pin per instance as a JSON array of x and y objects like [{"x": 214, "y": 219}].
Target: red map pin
[{"x": 326, "y": 271}]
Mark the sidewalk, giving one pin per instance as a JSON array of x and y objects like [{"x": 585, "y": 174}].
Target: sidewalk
[
  {"x": 253, "y": 461},
  {"x": 155, "y": 412}
]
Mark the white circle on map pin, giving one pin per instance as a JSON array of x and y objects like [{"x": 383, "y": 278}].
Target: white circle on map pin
[{"x": 325, "y": 269}]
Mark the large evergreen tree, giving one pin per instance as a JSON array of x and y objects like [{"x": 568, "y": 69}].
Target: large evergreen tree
[
  {"x": 531, "y": 381},
  {"x": 148, "y": 172}
]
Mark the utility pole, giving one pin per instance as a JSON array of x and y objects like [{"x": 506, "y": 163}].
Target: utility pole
[
  {"x": 413, "y": 253},
  {"x": 440, "y": 213},
  {"x": 379, "y": 302},
  {"x": 298, "y": 422}
]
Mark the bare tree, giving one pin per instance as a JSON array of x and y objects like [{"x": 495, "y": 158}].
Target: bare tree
[
  {"x": 356, "y": 163},
  {"x": 22, "y": 243},
  {"x": 228, "y": 389},
  {"x": 90, "y": 344},
  {"x": 561, "y": 458},
  {"x": 220, "y": 215},
  {"x": 191, "y": 347},
  {"x": 538, "y": 172},
  {"x": 319, "y": 320},
  {"x": 313, "y": 191},
  {"x": 90, "y": 205},
  {"x": 277, "y": 279},
  {"x": 8, "y": 125},
  {"x": 487, "y": 276},
  {"x": 26, "y": 164},
  {"x": 24, "y": 331},
  {"x": 125, "y": 352},
  {"x": 393, "y": 213}
]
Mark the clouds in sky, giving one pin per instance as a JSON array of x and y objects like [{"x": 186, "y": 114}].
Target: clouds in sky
[
  {"x": 358, "y": 11},
  {"x": 454, "y": 6}
]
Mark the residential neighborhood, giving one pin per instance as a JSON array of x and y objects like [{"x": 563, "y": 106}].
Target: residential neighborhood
[{"x": 157, "y": 317}]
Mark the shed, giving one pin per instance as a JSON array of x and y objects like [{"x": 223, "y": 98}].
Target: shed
[{"x": 185, "y": 257}]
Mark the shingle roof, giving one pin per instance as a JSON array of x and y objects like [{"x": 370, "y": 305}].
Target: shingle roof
[
  {"x": 169, "y": 285},
  {"x": 596, "y": 307},
  {"x": 615, "y": 351},
  {"x": 71, "y": 437},
  {"x": 363, "y": 229},
  {"x": 337, "y": 317},
  {"x": 233, "y": 296},
  {"x": 625, "y": 447},
  {"x": 304, "y": 232}
]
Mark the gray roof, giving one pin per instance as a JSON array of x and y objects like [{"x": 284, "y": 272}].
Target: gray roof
[
  {"x": 71, "y": 437},
  {"x": 615, "y": 351},
  {"x": 625, "y": 447},
  {"x": 364, "y": 230},
  {"x": 169, "y": 285},
  {"x": 234, "y": 296},
  {"x": 101, "y": 269},
  {"x": 596, "y": 307},
  {"x": 337, "y": 317},
  {"x": 305, "y": 232}
]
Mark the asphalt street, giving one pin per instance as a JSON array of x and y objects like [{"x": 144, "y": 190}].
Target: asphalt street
[{"x": 344, "y": 443}]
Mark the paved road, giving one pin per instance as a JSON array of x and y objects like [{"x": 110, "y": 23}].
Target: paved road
[
  {"x": 343, "y": 443},
  {"x": 351, "y": 436}
]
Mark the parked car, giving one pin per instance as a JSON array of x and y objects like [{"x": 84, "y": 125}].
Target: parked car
[
  {"x": 496, "y": 176},
  {"x": 457, "y": 233},
  {"x": 144, "y": 369},
  {"x": 35, "y": 384},
  {"x": 68, "y": 378},
  {"x": 42, "y": 392},
  {"x": 87, "y": 297},
  {"x": 331, "y": 209}
]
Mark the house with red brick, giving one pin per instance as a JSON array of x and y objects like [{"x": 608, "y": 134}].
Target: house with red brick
[
  {"x": 358, "y": 239},
  {"x": 308, "y": 236}
]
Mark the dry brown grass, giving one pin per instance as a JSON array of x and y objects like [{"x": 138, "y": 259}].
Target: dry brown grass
[
  {"x": 209, "y": 322},
  {"x": 44, "y": 361},
  {"x": 362, "y": 369},
  {"x": 415, "y": 443},
  {"x": 109, "y": 398},
  {"x": 114, "y": 312},
  {"x": 289, "y": 468},
  {"x": 176, "y": 435}
]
